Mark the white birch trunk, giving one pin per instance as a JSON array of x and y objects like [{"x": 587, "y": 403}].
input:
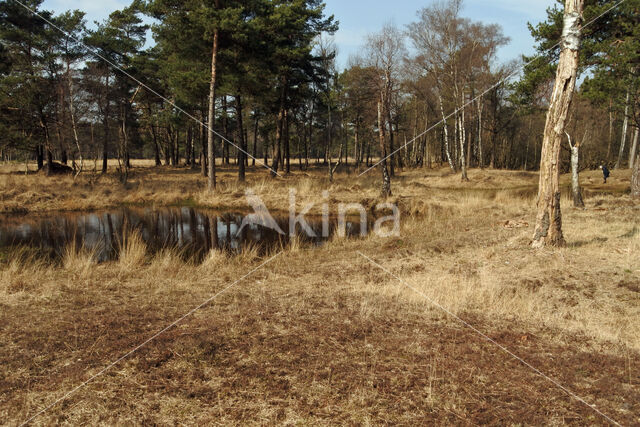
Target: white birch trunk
[
  {"x": 576, "y": 190},
  {"x": 463, "y": 136},
  {"x": 446, "y": 134},
  {"x": 73, "y": 119},
  {"x": 634, "y": 149},
  {"x": 625, "y": 128},
  {"x": 548, "y": 229},
  {"x": 480, "y": 153}
]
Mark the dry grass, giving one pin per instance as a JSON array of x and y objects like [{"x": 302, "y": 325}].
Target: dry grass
[
  {"x": 133, "y": 252},
  {"x": 165, "y": 186},
  {"x": 321, "y": 336}
]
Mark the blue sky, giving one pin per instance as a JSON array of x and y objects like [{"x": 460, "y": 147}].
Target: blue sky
[{"x": 361, "y": 17}]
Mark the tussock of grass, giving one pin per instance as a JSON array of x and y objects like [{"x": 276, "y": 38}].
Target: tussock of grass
[
  {"x": 133, "y": 251},
  {"x": 214, "y": 259},
  {"x": 79, "y": 260}
]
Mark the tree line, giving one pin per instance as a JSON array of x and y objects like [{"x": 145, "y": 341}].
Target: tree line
[{"x": 255, "y": 83}]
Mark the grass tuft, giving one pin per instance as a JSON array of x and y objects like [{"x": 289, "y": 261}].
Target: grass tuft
[{"x": 132, "y": 251}]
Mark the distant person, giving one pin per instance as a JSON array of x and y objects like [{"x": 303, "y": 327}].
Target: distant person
[{"x": 605, "y": 172}]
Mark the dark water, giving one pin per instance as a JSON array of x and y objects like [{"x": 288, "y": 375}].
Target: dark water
[{"x": 193, "y": 232}]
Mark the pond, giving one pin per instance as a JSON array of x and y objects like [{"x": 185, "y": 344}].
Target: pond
[{"x": 192, "y": 232}]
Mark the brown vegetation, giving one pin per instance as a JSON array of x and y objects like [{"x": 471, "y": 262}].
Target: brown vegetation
[{"x": 322, "y": 336}]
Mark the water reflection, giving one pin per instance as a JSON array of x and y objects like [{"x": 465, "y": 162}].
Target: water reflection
[{"x": 193, "y": 232}]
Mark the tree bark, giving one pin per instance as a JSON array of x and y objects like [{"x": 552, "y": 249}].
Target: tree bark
[
  {"x": 105, "y": 142},
  {"x": 576, "y": 190},
  {"x": 192, "y": 144},
  {"x": 634, "y": 149},
  {"x": 625, "y": 128},
  {"x": 255, "y": 140},
  {"x": 463, "y": 137},
  {"x": 211, "y": 154},
  {"x": 275, "y": 164},
  {"x": 287, "y": 142},
  {"x": 226, "y": 148},
  {"x": 635, "y": 179},
  {"x": 243, "y": 142},
  {"x": 277, "y": 149},
  {"x": 40, "y": 156},
  {"x": 156, "y": 148},
  {"x": 204, "y": 169},
  {"x": 480, "y": 153},
  {"x": 74, "y": 127},
  {"x": 393, "y": 159},
  {"x": 176, "y": 148},
  {"x": 446, "y": 135},
  {"x": 548, "y": 230},
  {"x": 386, "y": 179},
  {"x": 610, "y": 130}
]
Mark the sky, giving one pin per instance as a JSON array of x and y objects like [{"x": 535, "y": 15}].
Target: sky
[{"x": 358, "y": 18}]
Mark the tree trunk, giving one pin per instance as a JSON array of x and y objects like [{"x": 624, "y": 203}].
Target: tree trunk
[
  {"x": 635, "y": 179},
  {"x": 243, "y": 142},
  {"x": 548, "y": 230},
  {"x": 446, "y": 135},
  {"x": 277, "y": 149},
  {"x": 105, "y": 142},
  {"x": 204, "y": 169},
  {"x": 634, "y": 149},
  {"x": 309, "y": 142},
  {"x": 226, "y": 148},
  {"x": 462, "y": 135},
  {"x": 480, "y": 153},
  {"x": 610, "y": 130},
  {"x": 287, "y": 142},
  {"x": 346, "y": 142},
  {"x": 73, "y": 119},
  {"x": 171, "y": 146},
  {"x": 176, "y": 148},
  {"x": 192, "y": 144},
  {"x": 392, "y": 159},
  {"x": 156, "y": 148},
  {"x": 386, "y": 179},
  {"x": 625, "y": 128},
  {"x": 576, "y": 190},
  {"x": 211, "y": 153},
  {"x": 356, "y": 144},
  {"x": 40, "y": 156},
  {"x": 255, "y": 140},
  {"x": 275, "y": 164},
  {"x": 187, "y": 147},
  {"x": 105, "y": 147},
  {"x": 327, "y": 151},
  {"x": 265, "y": 149}
]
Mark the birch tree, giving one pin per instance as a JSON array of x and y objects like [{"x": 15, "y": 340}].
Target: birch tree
[
  {"x": 457, "y": 52},
  {"x": 548, "y": 229},
  {"x": 634, "y": 148},
  {"x": 625, "y": 131},
  {"x": 72, "y": 52},
  {"x": 386, "y": 53},
  {"x": 635, "y": 179},
  {"x": 576, "y": 190}
]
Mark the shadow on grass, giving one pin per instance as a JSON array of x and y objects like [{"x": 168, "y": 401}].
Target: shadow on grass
[
  {"x": 631, "y": 234},
  {"x": 583, "y": 243}
]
